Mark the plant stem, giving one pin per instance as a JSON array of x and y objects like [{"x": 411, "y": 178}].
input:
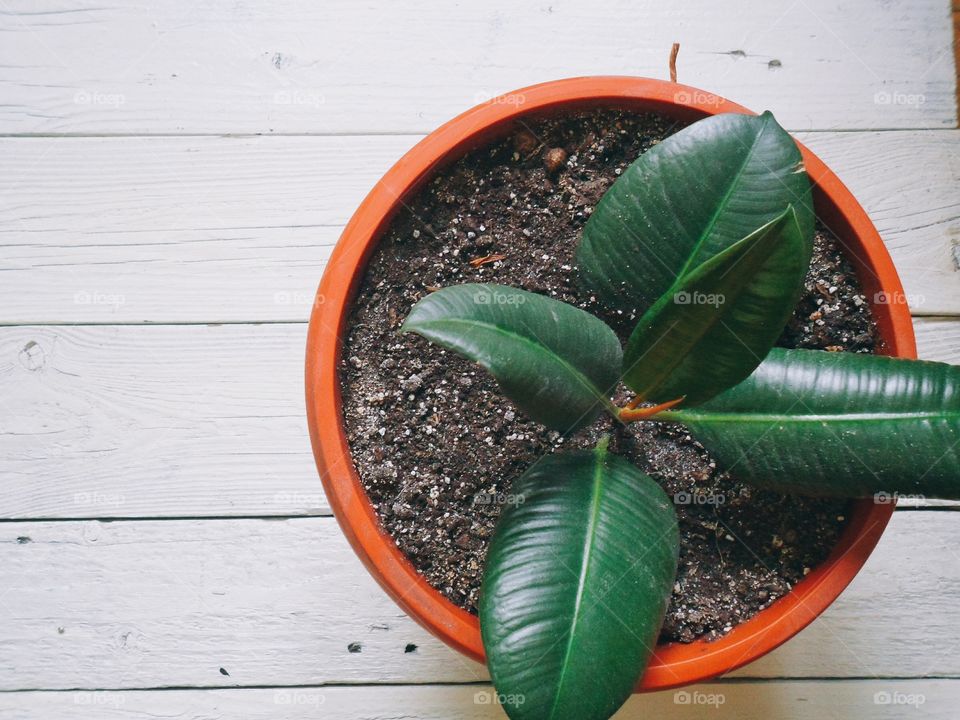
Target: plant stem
[
  {"x": 602, "y": 445},
  {"x": 630, "y": 413}
]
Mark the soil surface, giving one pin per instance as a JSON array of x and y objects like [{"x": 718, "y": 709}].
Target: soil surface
[{"x": 435, "y": 443}]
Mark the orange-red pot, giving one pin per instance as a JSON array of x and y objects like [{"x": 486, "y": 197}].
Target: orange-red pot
[{"x": 673, "y": 664}]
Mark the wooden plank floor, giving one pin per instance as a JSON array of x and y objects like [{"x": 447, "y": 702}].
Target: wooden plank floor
[{"x": 175, "y": 176}]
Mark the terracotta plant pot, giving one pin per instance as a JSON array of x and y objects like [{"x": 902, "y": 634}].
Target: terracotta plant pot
[{"x": 674, "y": 664}]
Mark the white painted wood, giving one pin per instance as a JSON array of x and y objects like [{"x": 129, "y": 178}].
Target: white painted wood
[
  {"x": 89, "y": 604},
  {"x": 177, "y": 229},
  {"x": 111, "y": 185},
  {"x": 110, "y": 421},
  {"x": 340, "y": 66},
  {"x": 799, "y": 700},
  {"x": 908, "y": 183},
  {"x": 176, "y": 421},
  {"x": 239, "y": 229},
  {"x": 147, "y": 604},
  {"x": 209, "y": 275},
  {"x": 938, "y": 339}
]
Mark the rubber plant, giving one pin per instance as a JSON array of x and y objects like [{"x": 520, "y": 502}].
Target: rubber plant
[{"x": 705, "y": 241}]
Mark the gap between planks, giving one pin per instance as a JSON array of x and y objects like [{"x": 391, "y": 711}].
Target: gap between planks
[
  {"x": 178, "y": 421},
  {"x": 812, "y": 699},
  {"x": 160, "y": 604},
  {"x": 241, "y": 230}
]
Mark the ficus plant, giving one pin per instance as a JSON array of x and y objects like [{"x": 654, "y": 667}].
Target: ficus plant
[{"x": 705, "y": 239}]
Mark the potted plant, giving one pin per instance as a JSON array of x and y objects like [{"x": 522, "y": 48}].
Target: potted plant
[{"x": 788, "y": 224}]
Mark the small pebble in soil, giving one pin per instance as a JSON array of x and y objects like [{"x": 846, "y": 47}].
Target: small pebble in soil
[
  {"x": 524, "y": 142},
  {"x": 554, "y": 159}
]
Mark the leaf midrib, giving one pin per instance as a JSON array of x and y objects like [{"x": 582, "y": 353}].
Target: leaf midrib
[
  {"x": 675, "y": 360},
  {"x": 721, "y": 206},
  {"x": 685, "y": 416},
  {"x": 680, "y": 278},
  {"x": 587, "y": 553},
  {"x": 583, "y": 379}
]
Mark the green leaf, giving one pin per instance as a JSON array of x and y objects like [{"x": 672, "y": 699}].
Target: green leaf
[
  {"x": 688, "y": 198},
  {"x": 838, "y": 424},
  {"x": 577, "y": 580},
  {"x": 558, "y": 363},
  {"x": 721, "y": 319}
]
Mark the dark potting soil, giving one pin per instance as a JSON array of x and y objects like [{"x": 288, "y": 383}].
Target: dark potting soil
[{"x": 437, "y": 446}]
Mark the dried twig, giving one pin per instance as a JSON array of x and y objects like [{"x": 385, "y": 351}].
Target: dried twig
[
  {"x": 673, "y": 61},
  {"x": 477, "y": 262}
]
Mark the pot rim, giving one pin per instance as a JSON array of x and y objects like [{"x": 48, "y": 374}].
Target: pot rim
[{"x": 672, "y": 664}]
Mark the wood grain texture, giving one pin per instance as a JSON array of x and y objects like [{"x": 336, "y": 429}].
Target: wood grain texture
[
  {"x": 908, "y": 184},
  {"x": 938, "y": 338},
  {"x": 797, "y": 700},
  {"x": 343, "y": 67},
  {"x": 177, "y": 229},
  {"x": 155, "y": 421},
  {"x": 148, "y": 604},
  {"x": 176, "y": 421},
  {"x": 239, "y": 229}
]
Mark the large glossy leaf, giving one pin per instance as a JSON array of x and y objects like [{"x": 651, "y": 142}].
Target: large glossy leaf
[
  {"x": 558, "y": 363},
  {"x": 721, "y": 319},
  {"x": 688, "y": 198},
  {"x": 577, "y": 580},
  {"x": 819, "y": 423}
]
